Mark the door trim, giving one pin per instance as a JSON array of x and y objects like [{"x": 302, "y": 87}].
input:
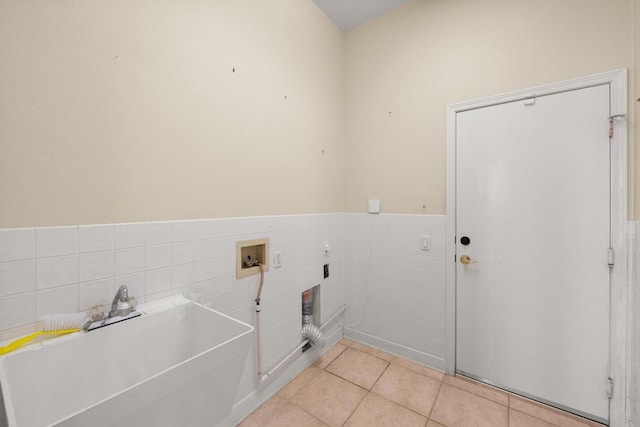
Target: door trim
[{"x": 619, "y": 310}]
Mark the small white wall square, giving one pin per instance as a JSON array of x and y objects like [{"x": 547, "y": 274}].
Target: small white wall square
[
  {"x": 17, "y": 310},
  {"x": 158, "y": 233},
  {"x": 17, "y": 244},
  {"x": 97, "y": 265},
  {"x": 158, "y": 257},
  {"x": 57, "y": 300},
  {"x": 182, "y": 231},
  {"x": 203, "y": 249},
  {"x": 156, "y": 296},
  {"x": 130, "y": 261},
  {"x": 374, "y": 206},
  {"x": 222, "y": 285},
  {"x": 209, "y": 229},
  {"x": 17, "y": 277},
  {"x": 130, "y": 235},
  {"x": 56, "y": 241},
  {"x": 158, "y": 280},
  {"x": 58, "y": 271},
  {"x": 224, "y": 265},
  {"x": 96, "y": 292},
  {"x": 203, "y": 270},
  {"x": 96, "y": 238},
  {"x": 182, "y": 275},
  {"x": 182, "y": 253}
]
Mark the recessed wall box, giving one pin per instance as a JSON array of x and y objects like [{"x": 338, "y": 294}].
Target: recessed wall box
[{"x": 258, "y": 250}]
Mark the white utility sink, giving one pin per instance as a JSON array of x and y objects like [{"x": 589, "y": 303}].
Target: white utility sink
[{"x": 177, "y": 366}]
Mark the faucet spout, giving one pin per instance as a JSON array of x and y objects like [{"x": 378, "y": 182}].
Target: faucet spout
[{"x": 121, "y": 296}]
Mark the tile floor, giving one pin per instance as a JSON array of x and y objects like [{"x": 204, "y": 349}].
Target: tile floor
[{"x": 355, "y": 385}]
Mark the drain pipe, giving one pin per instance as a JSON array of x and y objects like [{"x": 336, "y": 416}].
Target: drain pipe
[
  {"x": 265, "y": 378},
  {"x": 309, "y": 330}
]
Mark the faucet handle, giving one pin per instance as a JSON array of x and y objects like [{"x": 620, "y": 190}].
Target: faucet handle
[
  {"x": 126, "y": 306},
  {"x": 97, "y": 313}
]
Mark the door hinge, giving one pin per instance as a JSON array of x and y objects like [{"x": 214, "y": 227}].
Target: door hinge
[
  {"x": 610, "y": 128},
  {"x": 610, "y": 387},
  {"x": 611, "y": 120},
  {"x": 611, "y": 257}
]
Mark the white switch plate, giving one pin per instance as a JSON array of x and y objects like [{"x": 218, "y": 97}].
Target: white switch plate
[
  {"x": 425, "y": 243},
  {"x": 326, "y": 249},
  {"x": 277, "y": 259},
  {"x": 374, "y": 206}
]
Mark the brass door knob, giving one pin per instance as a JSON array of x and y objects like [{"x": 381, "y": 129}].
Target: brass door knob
[{"x": 465, "y": 259}]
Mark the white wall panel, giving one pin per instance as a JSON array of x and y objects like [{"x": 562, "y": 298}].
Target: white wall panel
[{"x": 395, "y": 292}]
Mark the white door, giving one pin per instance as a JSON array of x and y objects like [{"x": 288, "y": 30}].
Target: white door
[{"x": 533, "y": 216}]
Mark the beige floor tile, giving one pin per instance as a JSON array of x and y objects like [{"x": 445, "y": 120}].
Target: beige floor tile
[
  {"x": 294, "y": 416},
  {"x": 407, "y": 388},
  {"x": 296, "y": 384},
  {"x": 551, "y": 415},
  {"x": 335, "y": 351},
  {"x": 476, "y": 388},
  {"x": 329, "y": 398},
  {"x": 264, "y": 413},
  {"x": 432, "y": 423},
  {"x": 376, "y": 411},
  {"x": 416, "y": 367},
  {"x": 360, "y": 368},
  {"x": 518, "y": 419},
  {"x": 458, "y": 408},
  {"x": 366, "y": 349}
]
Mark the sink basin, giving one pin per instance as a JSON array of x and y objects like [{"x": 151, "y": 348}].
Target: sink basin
[{"x": 178, "y": 365}]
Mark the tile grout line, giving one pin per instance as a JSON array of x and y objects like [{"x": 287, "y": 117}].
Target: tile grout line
[
  {"x": 583, "y": 423},
  {"x": 355, "y": 409},
  {"x": 555, "y": 411},
  {"x": 400, "y": 405},
  {"x": 380, "y": 376},
  {"x": 350, "y": 382},
  {"x": 389, "y": 363},
  {"x": 478, "y": 395},
  {"x": 542, "y": 406},
  {"x": 436, "y": 399},
  {"x": 337, "y": 376}
]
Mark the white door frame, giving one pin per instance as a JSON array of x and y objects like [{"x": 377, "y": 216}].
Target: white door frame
[{"x": 619, "y": 337}]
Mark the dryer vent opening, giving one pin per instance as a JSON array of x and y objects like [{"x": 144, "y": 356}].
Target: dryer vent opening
[{"x": 309, "y": 329}]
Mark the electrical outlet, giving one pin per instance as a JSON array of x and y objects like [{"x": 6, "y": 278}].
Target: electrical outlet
[{"x": 277, "y": 259}]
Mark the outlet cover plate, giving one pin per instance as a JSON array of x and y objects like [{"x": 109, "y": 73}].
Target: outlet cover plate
[{"x": 277, "y": 259}]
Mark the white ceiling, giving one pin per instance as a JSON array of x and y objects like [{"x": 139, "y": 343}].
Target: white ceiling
[{"x": 347, "y": 14}]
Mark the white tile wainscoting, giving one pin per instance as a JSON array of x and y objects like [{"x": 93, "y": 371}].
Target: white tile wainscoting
[
  {"x": 393, "y": 290},
  {"x": 67, "y": 269}
]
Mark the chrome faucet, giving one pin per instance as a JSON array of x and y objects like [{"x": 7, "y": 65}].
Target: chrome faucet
[
  {"x": 121, "y": 296},
  {"x": 123, "y": 307}
]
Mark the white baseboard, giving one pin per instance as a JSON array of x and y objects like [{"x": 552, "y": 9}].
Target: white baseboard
[{"x": 430, "y": 360}]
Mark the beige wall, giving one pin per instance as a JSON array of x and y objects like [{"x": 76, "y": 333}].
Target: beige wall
[
  {"x": 404, "y": 68},
  {"x": 114, "y": 111},
  {"x": 128, "y": 111}
]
